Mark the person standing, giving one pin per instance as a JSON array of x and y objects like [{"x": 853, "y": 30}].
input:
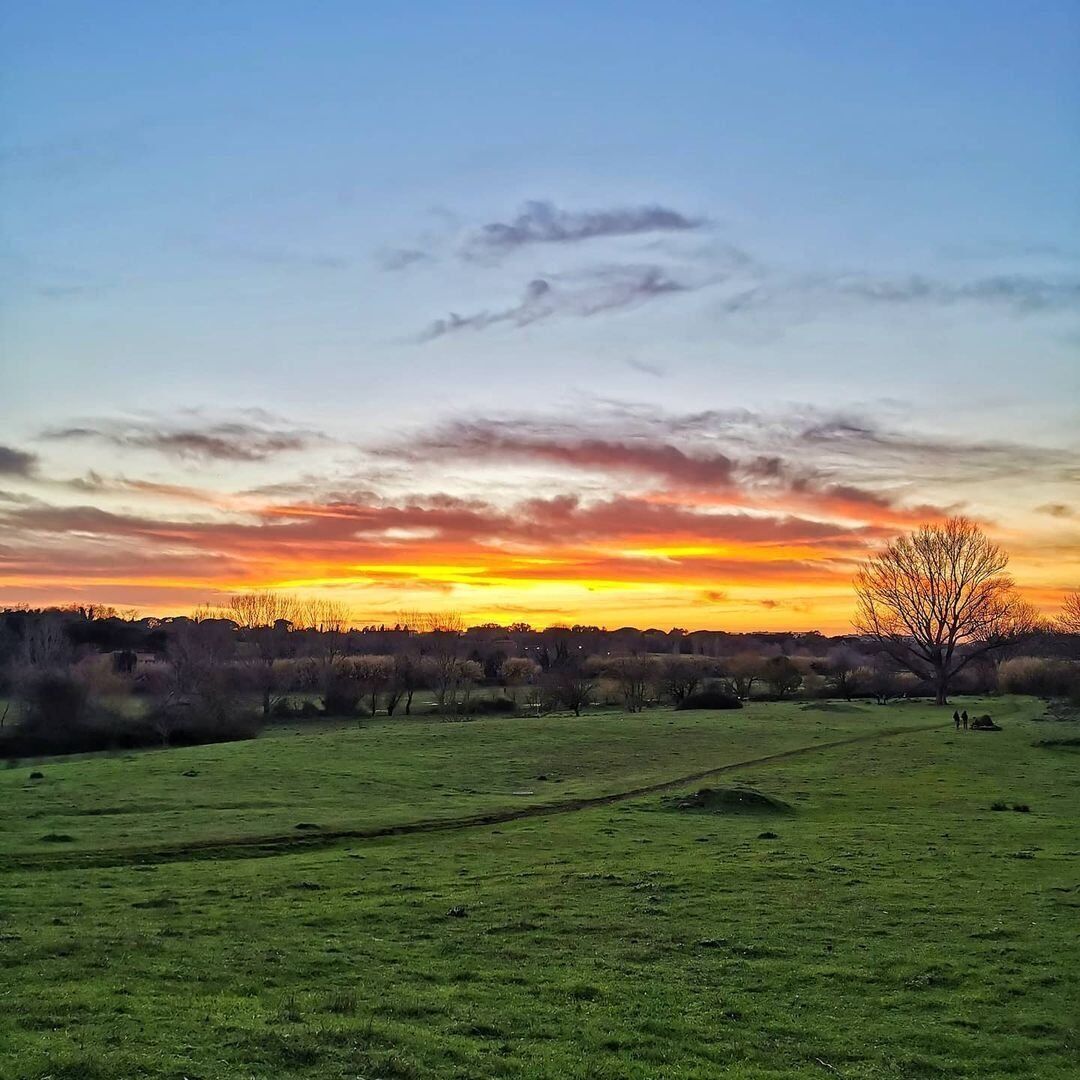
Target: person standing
[
  {"x": 956, "y": 719},
  {"x": 964, "y": 719}
]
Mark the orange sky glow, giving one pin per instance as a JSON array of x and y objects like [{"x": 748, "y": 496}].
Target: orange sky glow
[{"x": 545, "y": 521}]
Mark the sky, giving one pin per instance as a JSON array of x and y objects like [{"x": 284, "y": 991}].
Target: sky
[{"x": 610, "y": 313}]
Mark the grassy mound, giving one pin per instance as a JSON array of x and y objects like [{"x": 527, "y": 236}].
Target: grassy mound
[{"x": 728, "y": 801}]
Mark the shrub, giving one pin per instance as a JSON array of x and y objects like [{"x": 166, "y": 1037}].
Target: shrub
[
  {"x": 1042, "y": 677},
  {"x": 198, "y": 721},
  {"x": 341, "y": 694},
  {"x": 710, "y": 699},
  {"x": 61, "y": 716}
]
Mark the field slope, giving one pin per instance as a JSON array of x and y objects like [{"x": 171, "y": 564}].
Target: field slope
[{"x": 891, "y": 924}]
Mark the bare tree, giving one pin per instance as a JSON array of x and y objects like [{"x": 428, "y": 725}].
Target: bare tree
[
  {"x": 840, "y": 669},
  {"x": 266, "y": 618},
  {"x": 782, "y": 676},
  {"x": 680, "y": 676},
  {"x": 264, "y": 608},
  {"x": 409, "y": 675},
  {"x": 570, "y": 686},
  {"x": 744, "y": 669},
  {"x": 1068, "y": 622},
  {"x": 633, "y": 675},
  {"x": 939, "y": 599},
  {"x": 374, "y": 674}
]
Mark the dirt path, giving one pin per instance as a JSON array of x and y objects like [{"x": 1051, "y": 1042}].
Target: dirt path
[{"x": 259, "y": 847}]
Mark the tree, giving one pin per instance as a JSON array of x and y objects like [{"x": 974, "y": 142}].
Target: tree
[
  {"x": 266, "y": 619},
  {"x": 939, "y": 599},
  {"x": 680, "y": 676},
  {"x": 744, "y": 670},
  {"x": 1068, "y": 621},
  {"x": 633, "y": 675},
  {"x": 840, "y": 670},
  {"x": 374, "y": 675},
  {"x": 782, "y": 676},
  {"x": 408, "y": 676},
  {"x": 881, "y": 679},
  {"x": 517, "y": 671},
  {"x": 570, "y": 686}
]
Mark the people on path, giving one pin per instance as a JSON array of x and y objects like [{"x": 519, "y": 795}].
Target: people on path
[
  {"x": 956, "y": 719},
  {"x": 964, "y": 719}
]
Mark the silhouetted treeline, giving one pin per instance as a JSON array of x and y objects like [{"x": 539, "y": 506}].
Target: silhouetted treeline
[{"x": 84, "y": 679}]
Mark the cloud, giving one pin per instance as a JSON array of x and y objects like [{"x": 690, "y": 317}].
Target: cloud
[
  {"x": 16, "y": 462},
  {"x": 544, "y": 223},
  {"x": 1019, "y": 294},
  {"x": 501, "y": 440},
  {"x": 1056, "y": 510},
  {"x": 235, "y": 441},
  {"x": 657, "y": 371},
  {"x": 603, "y": 289},
  {"x": 828, "y": 465},
  {"x": 617, "y": 500},
  {"x": 399, "y": 258}
]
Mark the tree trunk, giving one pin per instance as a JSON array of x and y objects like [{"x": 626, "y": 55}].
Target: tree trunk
[{"x": 942, "y": 697}]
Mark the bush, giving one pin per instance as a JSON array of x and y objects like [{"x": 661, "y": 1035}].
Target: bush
[
  {"x": 341, "y": 694},
  {"x": 61, "y": 716},
  {"x": 1041, "y": 677},
  {"x": 709, "y": 699},
  {"x": 198, "y": 721}
]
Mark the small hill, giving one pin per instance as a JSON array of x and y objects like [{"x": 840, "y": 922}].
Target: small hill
[{"x": 738, "y": 800}]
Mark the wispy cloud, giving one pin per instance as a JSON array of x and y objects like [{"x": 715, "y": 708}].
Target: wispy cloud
[
  {"x": 1020, "y": 294},
  {"x": 1056, "y": 510},
  {"x": 399, "y": 258},
  {"x": 611, "y": 288},
  {"x": 657, "y": 371},
  {"x": 235, "y": 440},
  {"x": 544, "y": 223}
]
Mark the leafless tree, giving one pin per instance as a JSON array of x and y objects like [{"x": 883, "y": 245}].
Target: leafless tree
[
  {"x": 375, "y": 675},
  {"x": 1068, "y": 622},
  {"x": 680, "y": 676},
  {"x": 840, "y": 669},
  {"x": 267, "y": 619},
  {"x": 939, "y": 599},
  {"x": 744, "y": 669},
  {"x": 409, "y": 676},
  {"x": 633, "y": 675},
  {"x": 44, "y": 643},
  {"x": 570, "y": 686},
  {"x": 782, "y": 676}
]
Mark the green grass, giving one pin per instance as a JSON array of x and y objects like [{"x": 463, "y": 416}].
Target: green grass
[
  {"x": 342, "y": 775},
  {"x": 896, "y": 926}
]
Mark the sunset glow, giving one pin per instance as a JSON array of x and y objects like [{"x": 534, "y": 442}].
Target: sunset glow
[
  {"x": 610, "y": 535},
  {"x": 675, "y": 340}
]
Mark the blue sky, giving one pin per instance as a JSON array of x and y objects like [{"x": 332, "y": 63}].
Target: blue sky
[{"x": 271, "y": 206}]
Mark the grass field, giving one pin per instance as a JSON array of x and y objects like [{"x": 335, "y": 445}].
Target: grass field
[{"x": 890, "y": 925}]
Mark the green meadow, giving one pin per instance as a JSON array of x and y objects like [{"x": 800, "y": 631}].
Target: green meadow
[{"x": 526, "y": 898}]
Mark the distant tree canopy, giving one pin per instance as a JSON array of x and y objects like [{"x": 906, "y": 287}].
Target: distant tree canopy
[{"x": 940, "y": 599}]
